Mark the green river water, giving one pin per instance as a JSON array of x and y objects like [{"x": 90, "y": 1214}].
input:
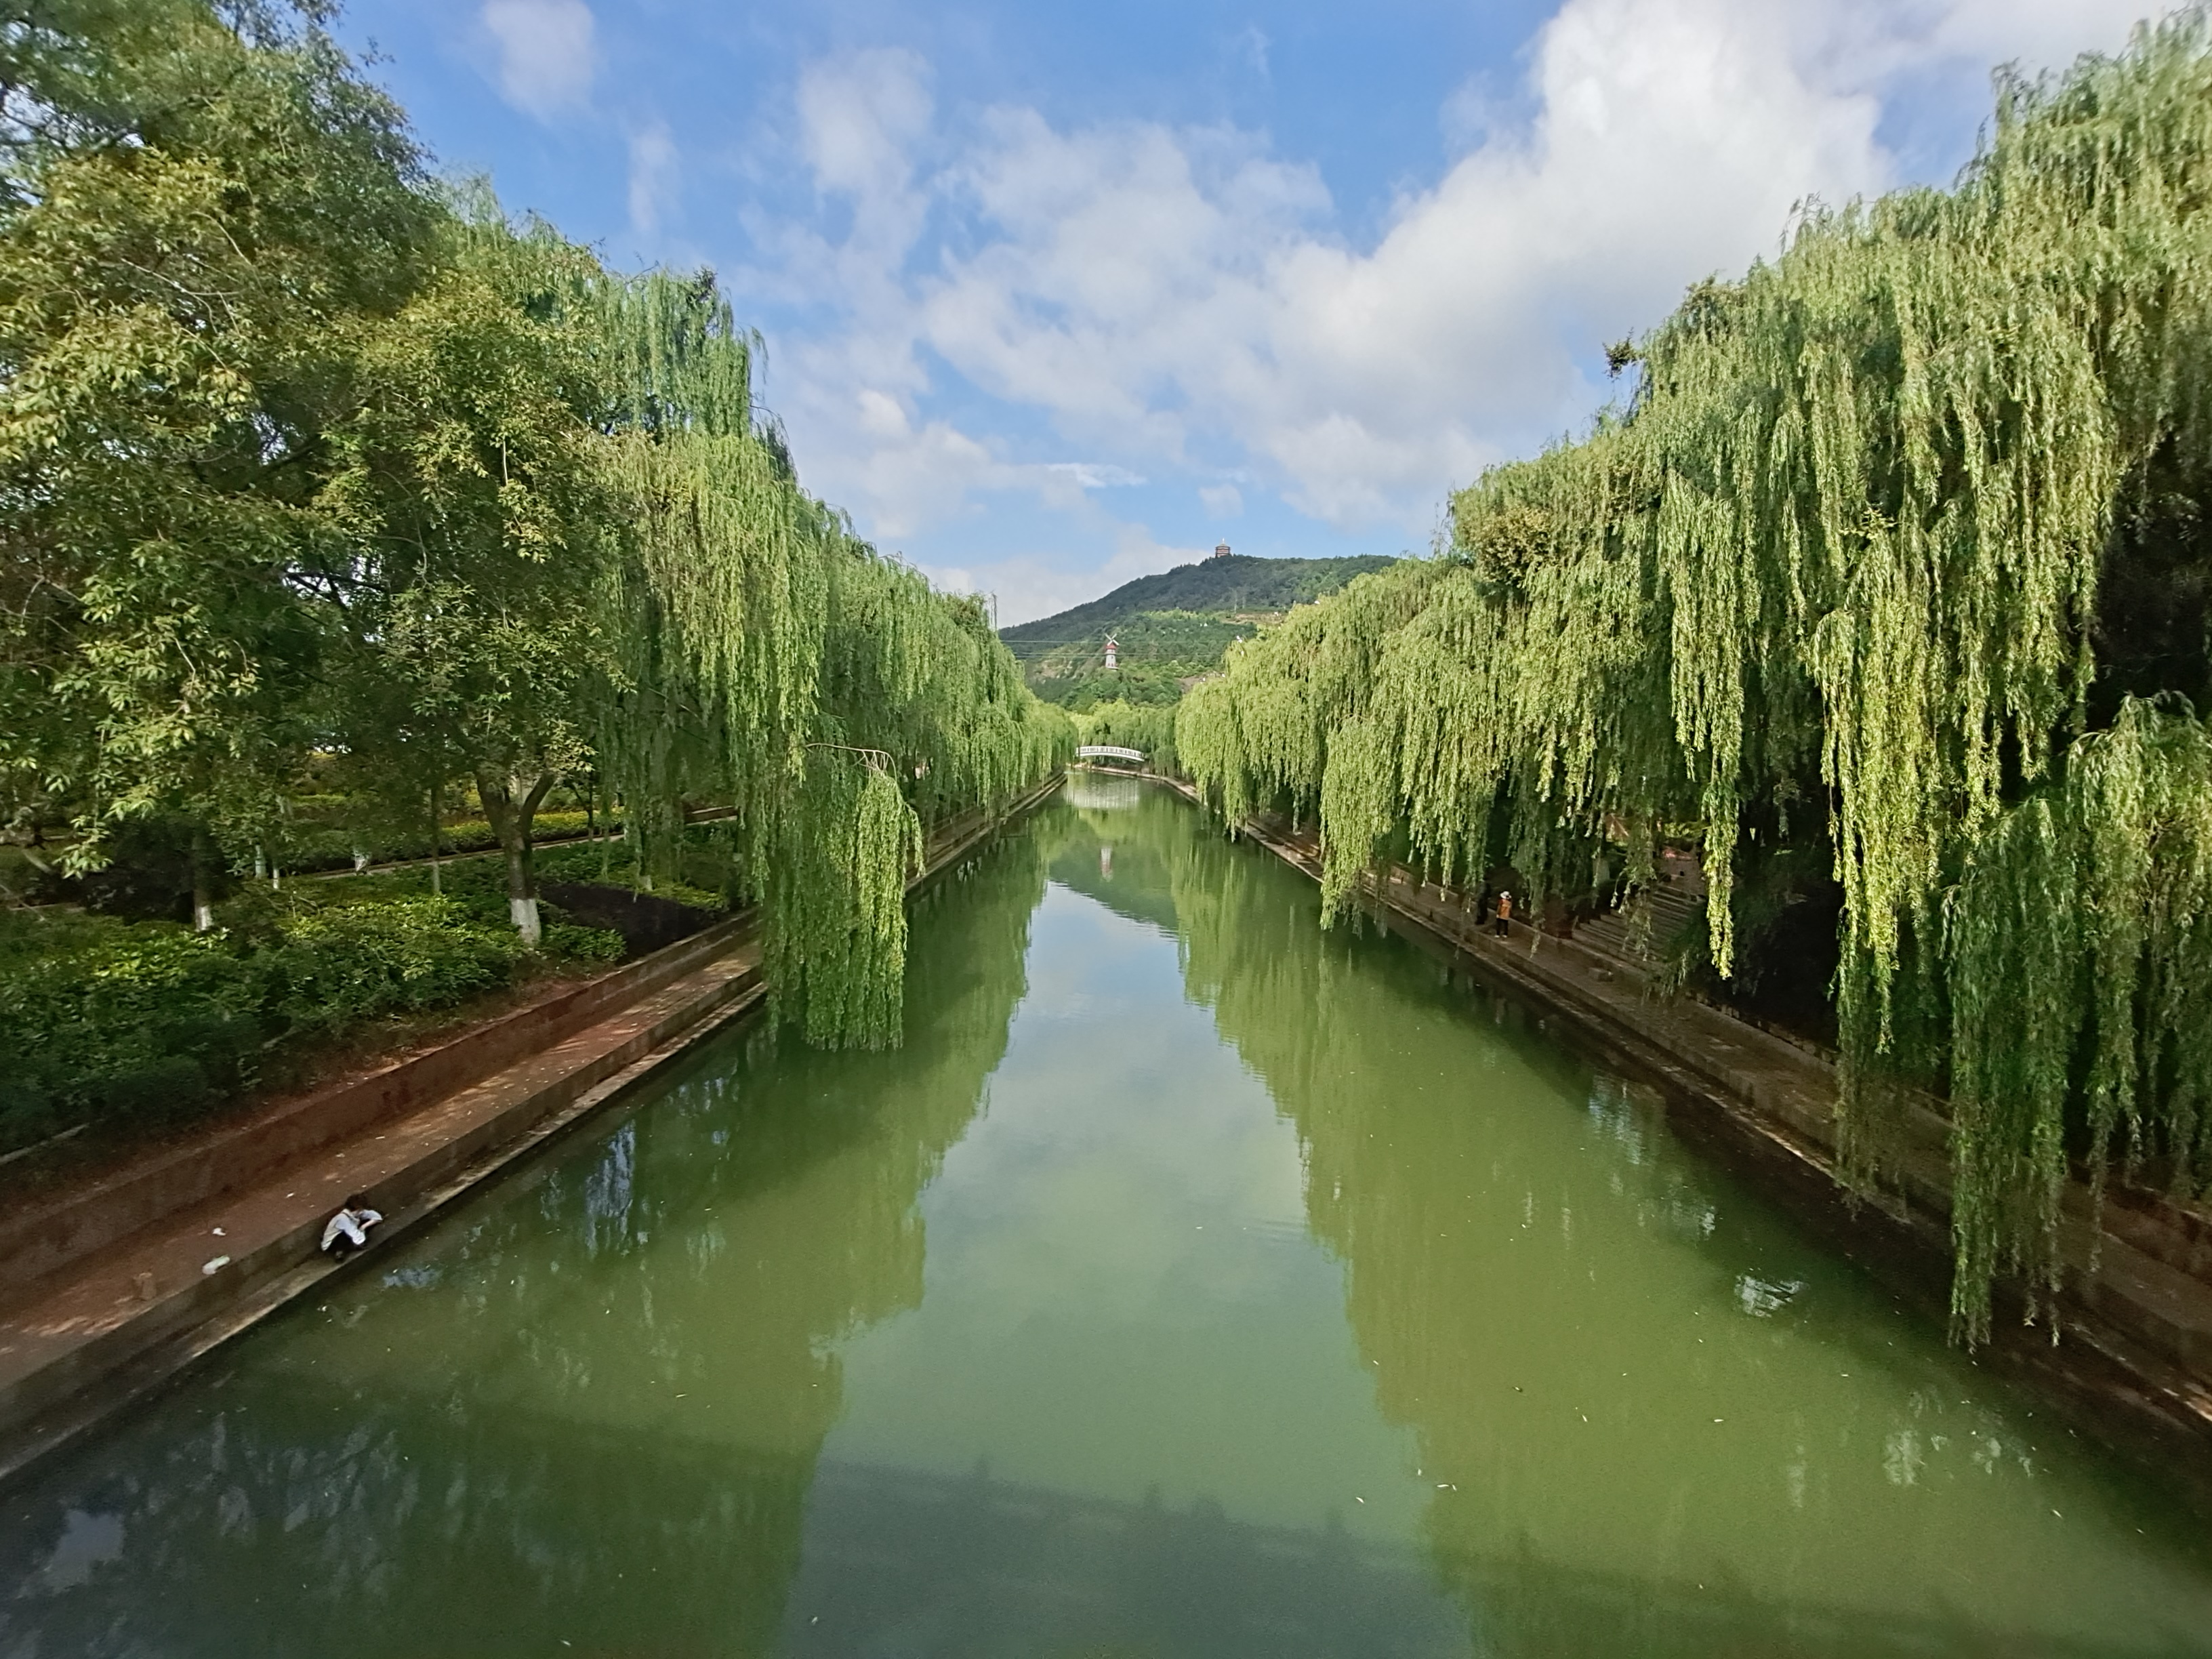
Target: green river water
[{"x": 1191, "y": 1283}]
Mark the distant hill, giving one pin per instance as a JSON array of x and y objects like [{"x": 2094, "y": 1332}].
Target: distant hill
[{"x": 1169, "y": 627}]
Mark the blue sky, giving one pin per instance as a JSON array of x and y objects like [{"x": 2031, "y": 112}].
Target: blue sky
[{"x": 1057, "y": 295}]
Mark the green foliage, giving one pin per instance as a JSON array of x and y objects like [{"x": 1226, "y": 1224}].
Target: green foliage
[
  {"x": 478, "y": 528},
  {"x": 310, "y": 848},
  {"x": 193, "y": 221},
  {"x": 770, "y": 658},
  {"x": 1834, "y": 575},
  {"x": 1157, "y": 652},
  {"x": 1082, "y": 692},
  {"x": 143, "y": 1023},
  {"x": 1149, "y": 728},
  {"x": 480, "y": 883},
  {"x": 2081, "y": 926},
  {"x": 310, "y": 471},
  {"x": 1212, "y": 587},
  {"x": 836, "y": 935}
]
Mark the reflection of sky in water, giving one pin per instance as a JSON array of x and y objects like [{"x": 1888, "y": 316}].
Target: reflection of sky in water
[
  {"x": 1234, "y": 1227},
  {"x": 1092, "y": 792},
  {"x": 1118, "y": 1247},
  {"x": 86, "y": 1540}
]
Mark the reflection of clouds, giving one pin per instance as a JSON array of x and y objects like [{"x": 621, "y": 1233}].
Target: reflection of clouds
[
  {"x": 1113, "y": 1138},
  {"x": 1086, "y": 961},
  {"x": 88, "y": 1539},
  {"x": 1119, "y": 1248}
]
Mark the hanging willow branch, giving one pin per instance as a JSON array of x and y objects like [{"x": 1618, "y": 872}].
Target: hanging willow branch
[
  {"x": 879, "y": 758},
  {"x": 1845, "y": 547},
  {"x": 762, "y": 642}
]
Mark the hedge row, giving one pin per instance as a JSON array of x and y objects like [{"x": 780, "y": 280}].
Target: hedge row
[
  {"x": 311, "y": 847},
  {"x": 122, "y": 1024}
]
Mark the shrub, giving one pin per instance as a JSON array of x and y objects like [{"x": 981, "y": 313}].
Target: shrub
[
  {"x": 311, "y": 847},
  {"x": 141, "y": 1024},
  {"x": 350, "y": 961}
]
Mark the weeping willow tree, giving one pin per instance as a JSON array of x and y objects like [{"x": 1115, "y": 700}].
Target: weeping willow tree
[
  {"x": 771, "y": 659},
  {"x": 1893, "y": 552}
]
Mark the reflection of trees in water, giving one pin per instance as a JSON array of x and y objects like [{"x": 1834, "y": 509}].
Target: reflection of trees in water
[
  {"x": 1099, "y": 792},
  {"x": 481, "y": 1448},
  {"x": 1498, "y": 1245},
  {"x": 1148, "y": 836},
  {"x": 303, "y": 1520},
  {"x": 963, "y": 1567}
]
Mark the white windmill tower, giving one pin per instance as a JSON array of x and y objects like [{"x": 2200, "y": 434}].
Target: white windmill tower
[{"x": 1110, "y": 649}]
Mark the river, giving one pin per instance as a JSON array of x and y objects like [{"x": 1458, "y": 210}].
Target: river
[{"x": 1191, "y": 1282}]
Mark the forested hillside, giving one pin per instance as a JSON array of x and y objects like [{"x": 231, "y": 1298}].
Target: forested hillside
[{"x": 1168, "y": 626}]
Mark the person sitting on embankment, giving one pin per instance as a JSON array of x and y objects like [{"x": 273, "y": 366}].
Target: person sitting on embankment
[{"x": 348, "y": 1230}]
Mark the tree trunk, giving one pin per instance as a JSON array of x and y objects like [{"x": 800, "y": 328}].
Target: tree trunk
[
  {"x": 437, "y": 840},
  {"x": 511, "y": 816},
  {"x": 203, "y": 883}
]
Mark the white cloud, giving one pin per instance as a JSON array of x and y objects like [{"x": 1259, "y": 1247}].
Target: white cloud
[
  {"x": 859, "y": 116},
  {"x": 1169, "y": 287},
  {"x": 1251, "y": 45},
  {"x": 1967, "y": 38},
  {"x": 547, "y": 52},
  {"x": 652, "y": 165},
  {"x": 1094, "y": 475},
  {"x": 1171, "y": 298}
]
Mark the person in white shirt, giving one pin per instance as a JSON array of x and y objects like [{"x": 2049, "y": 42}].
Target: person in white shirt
[{"x": 348, "y": 1230}]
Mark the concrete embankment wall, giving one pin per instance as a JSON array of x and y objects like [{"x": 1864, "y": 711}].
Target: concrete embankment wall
[{"x": 2132, "y": 1355}]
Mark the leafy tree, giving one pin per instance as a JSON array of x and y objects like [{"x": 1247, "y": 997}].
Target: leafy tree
[
  {"x": 476, "y": 527},
  {"x": 196, "y": 210},
  {"x": 770, "y": 658},
  {"x": 307, "y": 467}
]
